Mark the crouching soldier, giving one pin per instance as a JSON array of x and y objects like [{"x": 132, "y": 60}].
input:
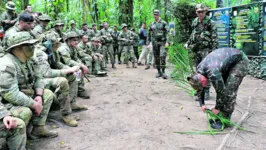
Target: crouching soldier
[
  {"x": 21, "y": 86},
  {"x": 225, "y": 68},
  {"x": 58, "y": 77}
]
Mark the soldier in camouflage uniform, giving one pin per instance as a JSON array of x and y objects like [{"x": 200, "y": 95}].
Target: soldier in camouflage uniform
[
  {"x": 135, "y": 43},
  {"x": 95, "y": 46},
  {"x": 115, "y": 35},
  {"x": 85, "y": 30},
  {"x": 58, "y": 27},
  {"x": 225, "y": 68},
  {"x": 41, "y": 28},
  {"x": 126, "y": 40},
  {"x": 107, "y": 46},
  {"x": 89, "y": 55},
  {"x": 203, "y": 38},
  {"x": 158, "y": 36},
  {"x": 72, "y": 27},
  {"x": 58, "y": 77},
  {"x": 25, "y": 24},
  {"x": 12, "y": 129},
  {"x": 93, "y": 32},
  {"x": 69, "y": 56},
  {"x": 9, "y": 17},
  {"x": 21, "y": 86}
]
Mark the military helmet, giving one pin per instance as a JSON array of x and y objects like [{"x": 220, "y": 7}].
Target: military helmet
[
  {"x": 156, "y": 12},
  {"x": 123, "y": 25},
  {"x": 58, "y": 23},
  {"x": 71, "y": 34},
  {"x": 44, "y": 17},
  {"x": 72, "y": 22},
  {"x": 18, "y": 39},
  {"x": 201, "y": 7},
  {"x": 11, "y": 5}
]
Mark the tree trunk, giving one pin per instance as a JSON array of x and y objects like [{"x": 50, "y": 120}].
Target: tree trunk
[
  {"x": 84, "y": 11},
  {"x": 126, "y": 12},
  {"x": 219, "y": 4}
]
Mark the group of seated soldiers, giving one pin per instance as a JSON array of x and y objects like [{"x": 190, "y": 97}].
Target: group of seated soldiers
[{"x": 41, "y": 68}]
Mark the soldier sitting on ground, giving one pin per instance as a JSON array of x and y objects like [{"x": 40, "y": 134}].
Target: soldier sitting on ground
[
  {"x": 9, "y": 17},
  {"x": 21, "y": 86},
  {"x": 41, "y": 28}
]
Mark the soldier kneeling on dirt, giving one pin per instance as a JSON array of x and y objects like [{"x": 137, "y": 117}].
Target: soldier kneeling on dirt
[{"x": 225, "y": 68}]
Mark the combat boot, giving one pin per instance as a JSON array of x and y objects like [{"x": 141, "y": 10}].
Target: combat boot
[
  {"x": 113, "y": 66},
  {"x": 42, "y": 132},
  {"x": 147, "y": 67},
  {"x": 70, "y": 121},
  {"x": 100, "y": 74},
  {"x": 76, "y": 107},
  {"x": 83, "y": 95},
  {"x": 164, "y": 76},
  {"x": 127, "y": 64},
  {"x": 158, "y": 75},
  {"x": 134, "y": 65}
]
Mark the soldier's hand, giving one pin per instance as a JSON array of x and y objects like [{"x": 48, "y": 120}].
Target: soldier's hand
[
  {"x": 85, "y": 69},
  {"x": 75, "y": 69},
  {"x": 215, "y": 111},
  {"x": 166, "y": 45},
  {"x": 10, "y": 122},
  {"x": 148, "y": 47},
  {"x": 37, "y": 107},
  {"x": 38, "y": 99},
  {"x": 203, "y": 108}
]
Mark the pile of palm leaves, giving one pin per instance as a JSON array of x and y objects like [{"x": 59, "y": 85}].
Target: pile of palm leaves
[{"x": 182, "y": 66}]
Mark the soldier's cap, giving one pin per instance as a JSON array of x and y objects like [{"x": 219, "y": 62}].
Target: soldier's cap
[
  {"x": 72, "y": 22},
  {"x": 84, "y": 24},
  {"x": 156, "y": 12},
  {"x": 94, "y": 24},
  {"x": 58, "y": 23},
  {"x": 194, "y": 81},
  {"x": 54, "y": 37},
  {"x": 44, "y": 17},
  {"x": 71, "y": 34},
  {"x": 123, "y": 25},
  {"x": 201, "y": 7},
  {"x": 18, "y": 39},
  {"x": 11, "y": 5}
]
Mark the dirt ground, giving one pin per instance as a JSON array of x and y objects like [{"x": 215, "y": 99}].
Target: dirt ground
[{"x": 131, "y": 109}]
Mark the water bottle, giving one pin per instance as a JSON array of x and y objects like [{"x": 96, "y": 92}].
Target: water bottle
[{"x": 78, "y": 75}]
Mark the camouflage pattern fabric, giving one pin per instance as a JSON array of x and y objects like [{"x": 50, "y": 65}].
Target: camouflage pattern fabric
[
  {"x": 93, "y": 33},
  {"x": 8, "y": 16},
  {"x": 225, "y": 68},
  {"x": 203, "y": 38},
  {"x": 17, "y": 89},
  {"x": 107, "y": 47},
  {"x": 69, "y": 56},
  {"x": 158, "y": 36},
  {"x": 126, "y": 43},
  {"x": 38, "y": 30},
  {"x": 61, "y": 34},
  {"x": 16, "y": 138},
  {"x": 97, "y": 50}
]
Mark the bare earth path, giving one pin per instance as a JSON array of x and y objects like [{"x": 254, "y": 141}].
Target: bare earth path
[{"x": 130, "y": 109}]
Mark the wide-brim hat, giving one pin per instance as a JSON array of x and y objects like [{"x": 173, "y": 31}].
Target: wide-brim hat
[
  {"x": 32, "y": 41},
  {"x": 71, "y": 34},
  {"x": 201, "y": 7},
  {"x": 123, "y": 25},
  {"x": 44, "y": 17},
  {"x": 58, "y": 23},
  {"x": 11, "y": 5}
]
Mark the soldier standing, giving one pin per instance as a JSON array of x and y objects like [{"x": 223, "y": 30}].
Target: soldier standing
[
  {"x": 41, "y": 28},
  {"x": 225, "y": 68},
  {"x": 203, "y": 38},
  {"x": 125, "y": 39},
  {"x": 142, "y": 43},
  {"x": 135, "y": 43},
  {"x": 93, "y": 32},
  {"x": 158, "y": 36},
  {"x": 9, "y": 17},
  {"x": 115, "y": 34},
  {"x": 73, "y": 27},
  {"x": 107, "y": 45},
  {"x": 69, "y": 56},
  {"x": 21, "y": 85}
]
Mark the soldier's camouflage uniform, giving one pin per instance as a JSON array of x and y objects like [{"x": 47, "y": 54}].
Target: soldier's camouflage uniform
[
  {"x": 18, "y": 81},
  {"x": 158, "y": 36},
  {"x": 54, "y": 79},
  {"x": 135, "y": 44},
  {"x": 7, "y": 15},
  {"x": 93, "y": 33},
  {"x": 69, "y": 56},
  {"x": 16, "y": 137},
  {"x": 107, "y": 46},
  {"x": 203, "y": 39},
  {"x": 126, "y": 42},
  {"x": 83, "y": 56},
  {"x": 225, "y": 68},
  {"x": 89, "y": 56},
  {"x": 98, "y": 50}
]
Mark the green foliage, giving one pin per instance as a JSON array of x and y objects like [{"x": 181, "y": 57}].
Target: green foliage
[{"x": 182, "y": 67}]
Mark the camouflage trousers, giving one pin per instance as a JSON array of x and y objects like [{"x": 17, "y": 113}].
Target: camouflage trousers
[
  {"x": 160, "y": 53},
  {"x": 95, "y": 64},
  {"x": 26, "y": 113},
  {"x": 128, "y": 53},
  {"x": 226, "y": 100},
  {"x": 108, "y": 50},
  {"x": 16, "y": 138},
  {"x": 60, "y": 87},
  {"x": 87, "y": 60}
]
